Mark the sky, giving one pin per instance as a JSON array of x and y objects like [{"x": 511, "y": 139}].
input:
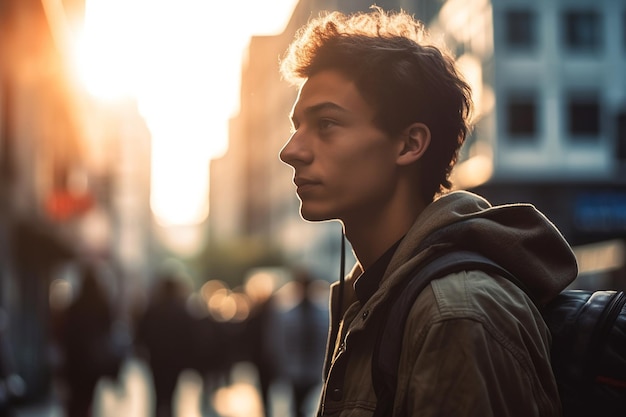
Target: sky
[{"x": 181, "y": 61}]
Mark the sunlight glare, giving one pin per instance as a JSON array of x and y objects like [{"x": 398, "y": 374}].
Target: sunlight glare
[
  {"x": 179, "y": 194},
  {"x": 183, "y": 66},
  {"x": 104, "y": 56}
]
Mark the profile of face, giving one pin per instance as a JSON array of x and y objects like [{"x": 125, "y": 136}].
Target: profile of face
[{"x": 345, "y": 167}]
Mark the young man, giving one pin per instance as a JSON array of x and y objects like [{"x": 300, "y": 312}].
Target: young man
[{"x": 377, "y": 125}]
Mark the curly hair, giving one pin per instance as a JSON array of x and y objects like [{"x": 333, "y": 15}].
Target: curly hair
[{"x": 399, "y": 71}]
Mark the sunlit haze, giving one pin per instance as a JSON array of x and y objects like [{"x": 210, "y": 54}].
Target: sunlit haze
[{"x": 181, "y": 61}]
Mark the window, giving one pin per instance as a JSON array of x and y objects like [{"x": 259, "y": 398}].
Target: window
[
  {"x": 521, "y": 114},
  {"x": 521, "y": 29},
  {"x": 583, "y": 113},
  {"x": 582, "y": 30}
]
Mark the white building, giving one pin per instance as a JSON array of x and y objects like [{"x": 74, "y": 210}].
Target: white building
[{"x": 550, "y": 84}]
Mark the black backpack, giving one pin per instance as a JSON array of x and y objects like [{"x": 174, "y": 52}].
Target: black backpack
[{"x": 588, "y": 340}]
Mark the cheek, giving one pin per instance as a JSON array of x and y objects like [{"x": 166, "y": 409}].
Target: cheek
[
  {"x": 364, "y": 162},
  {"x": 370, "y": 179},
  {"x": 373, "y": 185}
]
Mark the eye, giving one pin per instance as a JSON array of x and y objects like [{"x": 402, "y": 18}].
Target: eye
[{"x": 324, "y": 124}]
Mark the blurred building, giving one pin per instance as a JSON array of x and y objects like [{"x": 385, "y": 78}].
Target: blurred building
[
  {"x": 73, "y": 177},
  {"x": 553, "y": 110},
  {"x": 549, "y": 82},
  {"x": 551, "y": 95}
]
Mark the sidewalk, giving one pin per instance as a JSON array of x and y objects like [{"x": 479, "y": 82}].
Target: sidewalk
[
  {"x": 133, "y": 397},
  {"x": 44, "y": 410},
  {"x": 124, "y": 400}
]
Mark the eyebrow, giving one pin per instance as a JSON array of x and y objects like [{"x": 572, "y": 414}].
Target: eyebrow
[{"x": 326, "y": 105}]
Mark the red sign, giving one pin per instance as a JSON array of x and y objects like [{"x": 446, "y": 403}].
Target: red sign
[{"x": 62, "y": 205}]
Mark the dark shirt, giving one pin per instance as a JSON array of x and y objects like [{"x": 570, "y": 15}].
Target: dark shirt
[{"x": 367, "y": 283}]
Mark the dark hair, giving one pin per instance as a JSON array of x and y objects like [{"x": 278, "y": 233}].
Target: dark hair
[{"x": 405, "y": 77}]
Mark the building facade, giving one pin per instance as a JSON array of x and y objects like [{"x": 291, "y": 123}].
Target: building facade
[{"x": 556, "y": 128}]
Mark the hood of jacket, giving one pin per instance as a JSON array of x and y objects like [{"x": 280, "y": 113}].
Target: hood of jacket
[{"x": 516, "y": 236}]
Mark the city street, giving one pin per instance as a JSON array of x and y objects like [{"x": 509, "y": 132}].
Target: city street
[{"x": 133, "y": 397}]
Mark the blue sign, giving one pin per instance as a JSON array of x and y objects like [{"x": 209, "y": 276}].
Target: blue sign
[{"x": 603, "y": 211}]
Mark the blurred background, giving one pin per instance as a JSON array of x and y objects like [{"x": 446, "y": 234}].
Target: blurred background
[{"x": 139, "y": 149}]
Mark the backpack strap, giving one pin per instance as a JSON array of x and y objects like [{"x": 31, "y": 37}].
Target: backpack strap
[{"x": 389, "y": 342}]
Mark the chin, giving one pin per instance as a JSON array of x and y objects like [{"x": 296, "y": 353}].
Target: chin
[{"x": 315, "y": 216}]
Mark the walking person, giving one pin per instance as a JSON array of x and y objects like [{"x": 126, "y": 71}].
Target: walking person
[
  {"x": 88, "y": 344},
  {"x": 380, "y": 116},
  {"x": 165, "y": 337},
  {"x": 12, "y": 386},
  {"x": 298, "y": 340}
]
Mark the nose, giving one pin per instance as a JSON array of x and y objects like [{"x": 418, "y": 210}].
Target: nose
[{"x": 295, "y": 152}]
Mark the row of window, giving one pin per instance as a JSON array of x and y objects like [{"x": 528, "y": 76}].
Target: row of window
[
  {"x": 583, "y": 120},
  {"x": 582, "y": 114},
  {"x": 582, "y": 30}
]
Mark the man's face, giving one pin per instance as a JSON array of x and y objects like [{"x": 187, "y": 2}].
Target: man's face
[{"x": 344, "y": 166}]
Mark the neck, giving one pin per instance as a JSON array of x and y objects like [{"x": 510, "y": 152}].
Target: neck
[{"x": 371, "y": 236}]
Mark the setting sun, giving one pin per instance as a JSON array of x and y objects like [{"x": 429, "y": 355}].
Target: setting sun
[{"x": 181, "y": 61}]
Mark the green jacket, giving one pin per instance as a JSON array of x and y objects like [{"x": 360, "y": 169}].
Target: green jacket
[{"x": 474, "y": 345}]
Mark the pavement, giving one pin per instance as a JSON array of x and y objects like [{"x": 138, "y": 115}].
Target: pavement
[{"x": 133, "y": 396}]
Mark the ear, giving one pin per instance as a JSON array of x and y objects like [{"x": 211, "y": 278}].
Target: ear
[{"x": 415, "y": 140}]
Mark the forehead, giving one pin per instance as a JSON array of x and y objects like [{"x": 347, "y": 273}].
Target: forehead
[{"x": 331, "y": 90}]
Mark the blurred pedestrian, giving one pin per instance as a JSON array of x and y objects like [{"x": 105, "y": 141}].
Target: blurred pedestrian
[
  {"x": 88, "y": 343},
  {"x": 165, "y": 338},
  {"x": 211, "y": 353},
  {"x": 298, "y": 336},
  {"x": 12, "y": 386},
  {"x": 260, "y": 290}
]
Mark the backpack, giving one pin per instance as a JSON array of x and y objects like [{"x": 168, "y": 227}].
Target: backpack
[{"x": 588, "y": 329}]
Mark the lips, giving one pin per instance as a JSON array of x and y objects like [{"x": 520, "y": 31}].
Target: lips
[
  {"x": 304, "y": 184},
  {"x": 300, "y": 182}
]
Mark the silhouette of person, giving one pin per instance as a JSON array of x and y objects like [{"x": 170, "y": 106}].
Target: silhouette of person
[
  {"x": 87, "y": 343},
  {"x": 12, "y": 386},
  {"x": 165, "y": 335},
  {"x": 260, "y": 288},
  {"x": 210, "y": 358},
  {"x": 299, "y": 332}
]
